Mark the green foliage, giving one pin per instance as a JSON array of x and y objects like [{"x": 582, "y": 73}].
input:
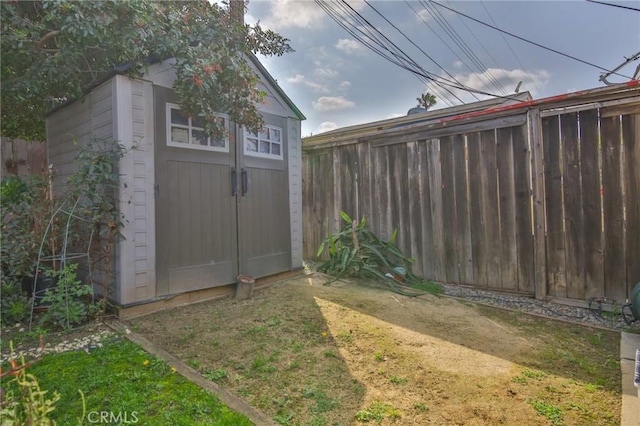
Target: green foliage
[
  {"x": 426, "y": 100},
  {"x": 356, "y": 251},
  {"x": 67, "y": 306},
  {"x": 377, "y": 411},
  {"x": 120, "y": 377},
  {"x": 550, "y": 411},
  {"x": 14, "y": 305},
  {"x": 25, "y": 403},
  {"x": 25, "y": 211},
  {"x": 53, "y": 51}
]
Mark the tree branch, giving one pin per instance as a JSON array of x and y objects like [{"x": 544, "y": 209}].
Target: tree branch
[{"x": 45, "y": 38}]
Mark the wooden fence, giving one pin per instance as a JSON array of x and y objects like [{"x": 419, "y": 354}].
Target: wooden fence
[
  {"x": 540, "y": 199},
  {"x": 22, "y": 158}
]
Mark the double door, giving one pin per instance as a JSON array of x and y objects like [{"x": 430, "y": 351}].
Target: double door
[{"x": 222, "y": 206}]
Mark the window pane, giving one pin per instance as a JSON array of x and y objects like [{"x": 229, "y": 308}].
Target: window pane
[
  {"x": 222, "y": 122},
  {"x": 264, "y": 133},
  {"x": 198, "y": 122},
  {"x": 220, "y": 143},
  {"x": 275, "y": 149},
  {"x": 264, "y": 147},
  {"x": 179, "y": 135},
  {"x": 252, "y": 145},
  {"x": 199, "y": 137},
  {"x": 178, "y": 118},
  {"x": 275, "y": 135}
]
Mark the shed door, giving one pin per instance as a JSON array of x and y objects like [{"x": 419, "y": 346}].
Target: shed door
[{"x": 206, "y": 234}]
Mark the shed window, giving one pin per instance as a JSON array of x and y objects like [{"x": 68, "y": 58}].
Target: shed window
[
  {"x": 187, "y": 132},
  {"x": 267, "y": 143}
]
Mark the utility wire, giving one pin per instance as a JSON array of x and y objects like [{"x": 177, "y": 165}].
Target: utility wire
[
  {"x": 614, "y": 5},
  {"x": 418, "y": 47},
  {"x": 406, "y": 63},
  {"x": 526, "y": 40},
  {"x": 398, "y": 58},
  {"x": 505, "y": 91},
  {"x": 505, "y": 39},
  {"x": 464, "y": 47},
  {"x": 438, "y": 35}
]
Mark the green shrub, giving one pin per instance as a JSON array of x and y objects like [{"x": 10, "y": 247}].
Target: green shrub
[{"x": 66, "y": 302}]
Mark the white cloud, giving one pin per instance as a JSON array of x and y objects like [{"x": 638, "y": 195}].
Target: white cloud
[
  {"x": 458, "y": 64},
  {"x": 298, "y": 78},
  {"x": 396, "y": 115},
  {"x": 533, "y": 82},
  {"x": 345, "y": 85},
  {"x": 301, "y": 79},
  {"x": 325, "y": 72},
  {"x": 292, "y": 13},
  {"x": 349, "y": 46},
  {"x": 326, "y": 126},
  {"x": 332, "y": 103}
]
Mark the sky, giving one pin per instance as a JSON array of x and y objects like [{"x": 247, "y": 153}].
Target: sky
[{"x": 336, "y": 81}]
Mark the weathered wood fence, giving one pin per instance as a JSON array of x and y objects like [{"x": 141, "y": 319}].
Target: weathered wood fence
[
  {"x": 541, "y": 199},
  {"x": 21, "y": 158}
]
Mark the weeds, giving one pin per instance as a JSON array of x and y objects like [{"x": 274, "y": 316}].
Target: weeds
[{"x": 550, "y": 411}]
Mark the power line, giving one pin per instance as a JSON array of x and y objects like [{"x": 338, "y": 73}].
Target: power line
[
  {"x": 418, "y": 47},
  {"x": 398, "y": 57},
  {"x": 528, "y": 41},
  {"x": 505, "y": 39},
  {"x": 614, "y": 5},
  {"x": 488, "y": 54},
  {"x": 459, "y": 41}
]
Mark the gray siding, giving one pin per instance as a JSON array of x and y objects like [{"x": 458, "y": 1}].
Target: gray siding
[
  {"x": 134, "y": 129},
  {"x": 78, "y": 122},
  {"x": 295, "y": 191}
]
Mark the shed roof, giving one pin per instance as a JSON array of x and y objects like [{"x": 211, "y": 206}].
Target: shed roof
[{"x": 125, "y": 68}]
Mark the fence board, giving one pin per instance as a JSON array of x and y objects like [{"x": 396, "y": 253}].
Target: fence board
[
  {"x": 345, "y": 181},
  {"x": 522, "y": 189},
  {"x": 380, "y": 214},
  {"x": 574, "y": 228},
  {"x": 489, "y": 179},
  {"x": 449, "y": 210},
  {"x": 415, "y": 196},
  {"x": 614, "y": 257},
  {"x": 591, "y": 204},
  {"x": 435, "y": 191},
  {"x": 428, "y": 251},
  {"x": 556, "y": 275},
  {"x": 476, "y": 219},
  {"x": 465, "y": 257},
  {"x": 398, "y": 165},
  {"x": 22, "y": 158},
  {"x": 364, "y": 187},
  {"x": 507, "y": 212},
  {"x": 631, "y": 140}
]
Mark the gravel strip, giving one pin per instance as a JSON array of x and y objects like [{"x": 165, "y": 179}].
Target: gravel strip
[
  {"x": 85, "y": 343},
  {"x": 528, "y": 305}
]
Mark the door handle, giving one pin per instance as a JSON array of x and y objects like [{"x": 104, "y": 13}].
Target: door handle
[
  {"x": 234, "y": 182},
  {"x": 245, "y": 182}
]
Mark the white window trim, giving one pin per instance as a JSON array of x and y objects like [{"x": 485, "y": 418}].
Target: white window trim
[
  {"x": 199, "y": 147},
  {"x": 259, "y": 154}
]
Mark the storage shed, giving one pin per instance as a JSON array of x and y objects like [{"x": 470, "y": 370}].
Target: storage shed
[{"x": 199, "y": 211}]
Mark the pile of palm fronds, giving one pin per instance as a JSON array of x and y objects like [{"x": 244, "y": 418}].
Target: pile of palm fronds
[{"x": 355, "y": 251}]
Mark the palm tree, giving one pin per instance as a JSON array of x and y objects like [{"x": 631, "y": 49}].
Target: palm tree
[{"x": 426, "y": 100}]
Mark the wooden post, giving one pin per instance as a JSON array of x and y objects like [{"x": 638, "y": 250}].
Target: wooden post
[{"x": 537, "y": 184}]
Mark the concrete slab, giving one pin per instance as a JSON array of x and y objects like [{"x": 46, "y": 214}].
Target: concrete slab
[{"x": 630, "y": 415}]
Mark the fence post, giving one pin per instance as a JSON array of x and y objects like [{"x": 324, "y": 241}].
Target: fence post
[{"x": 537, "y": 182}]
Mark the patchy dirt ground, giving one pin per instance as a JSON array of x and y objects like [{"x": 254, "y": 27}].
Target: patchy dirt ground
[{"x": 349, "y": 353}]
